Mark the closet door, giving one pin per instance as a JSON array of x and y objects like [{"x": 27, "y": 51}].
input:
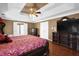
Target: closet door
[{"x": 44, "y": 30}]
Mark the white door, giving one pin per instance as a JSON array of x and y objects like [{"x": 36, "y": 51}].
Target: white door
[
  {"x": 20, "y": 29},
  {"x": 44, "y": 30},
  {"x": 25, "y": 28},
  {"x": 15, "y": 29}
]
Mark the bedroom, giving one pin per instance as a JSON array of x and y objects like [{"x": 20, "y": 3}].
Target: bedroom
[{"x": 35, "y": 24}]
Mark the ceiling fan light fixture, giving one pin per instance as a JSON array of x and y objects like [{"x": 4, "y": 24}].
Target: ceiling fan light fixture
[
  {"x": 32, "y": 15},
  {"x": 31, "y": 9}
]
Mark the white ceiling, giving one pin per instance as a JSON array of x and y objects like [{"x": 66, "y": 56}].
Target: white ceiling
[{"x": 12, "y": 11}]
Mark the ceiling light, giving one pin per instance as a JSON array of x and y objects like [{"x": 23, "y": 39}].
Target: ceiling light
[
  {"x": 64, "y": 20},
  {"x": 31, "y": 9}
]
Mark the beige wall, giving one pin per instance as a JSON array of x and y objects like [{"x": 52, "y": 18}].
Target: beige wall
[
  {"x": 8, "y": 27},
  {"x": 30, "y": 26},
  {"x": 37, "y": 25},
  {"x": 74, "y": 16},
  {"x": 52, "y": 27}
]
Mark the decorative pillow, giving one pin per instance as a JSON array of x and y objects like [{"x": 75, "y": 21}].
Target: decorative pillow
[
  {"x": 4, "y": 39},
  {"x": 7, "y": 39}
]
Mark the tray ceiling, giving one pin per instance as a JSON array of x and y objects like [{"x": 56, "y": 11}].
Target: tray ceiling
[
  {"x": 37, "y": 6},
  {"x": 13, "y": 11}
]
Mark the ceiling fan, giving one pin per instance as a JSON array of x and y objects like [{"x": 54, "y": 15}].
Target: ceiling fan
[{"x": 33, "y": 10}]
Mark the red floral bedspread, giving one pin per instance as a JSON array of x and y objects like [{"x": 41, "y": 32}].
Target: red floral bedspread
[{"x": 21, "y": 44}]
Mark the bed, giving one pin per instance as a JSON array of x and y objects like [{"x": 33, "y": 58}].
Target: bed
[{"x": 25, "y": 45}]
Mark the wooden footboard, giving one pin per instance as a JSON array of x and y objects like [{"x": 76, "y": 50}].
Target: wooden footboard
[{"x": 42, "y": 51}]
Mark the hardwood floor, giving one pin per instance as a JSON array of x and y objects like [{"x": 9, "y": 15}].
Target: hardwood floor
[{"x": 57, "y": 50}]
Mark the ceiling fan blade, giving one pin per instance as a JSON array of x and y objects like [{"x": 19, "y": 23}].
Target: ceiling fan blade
[
  {"x": 36, "y": 15},
  {"x": 38, "y": 12}
]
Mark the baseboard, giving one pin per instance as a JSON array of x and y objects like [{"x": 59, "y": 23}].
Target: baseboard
[{"x": 50, "y": 40}]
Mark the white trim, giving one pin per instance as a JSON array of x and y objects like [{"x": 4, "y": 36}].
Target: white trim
[
  {"x": 50, "y": 40},
  {"x": 62, "y": 15}
]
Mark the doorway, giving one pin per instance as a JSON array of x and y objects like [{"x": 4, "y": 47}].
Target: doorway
[{"x": 44, "y": 30}]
